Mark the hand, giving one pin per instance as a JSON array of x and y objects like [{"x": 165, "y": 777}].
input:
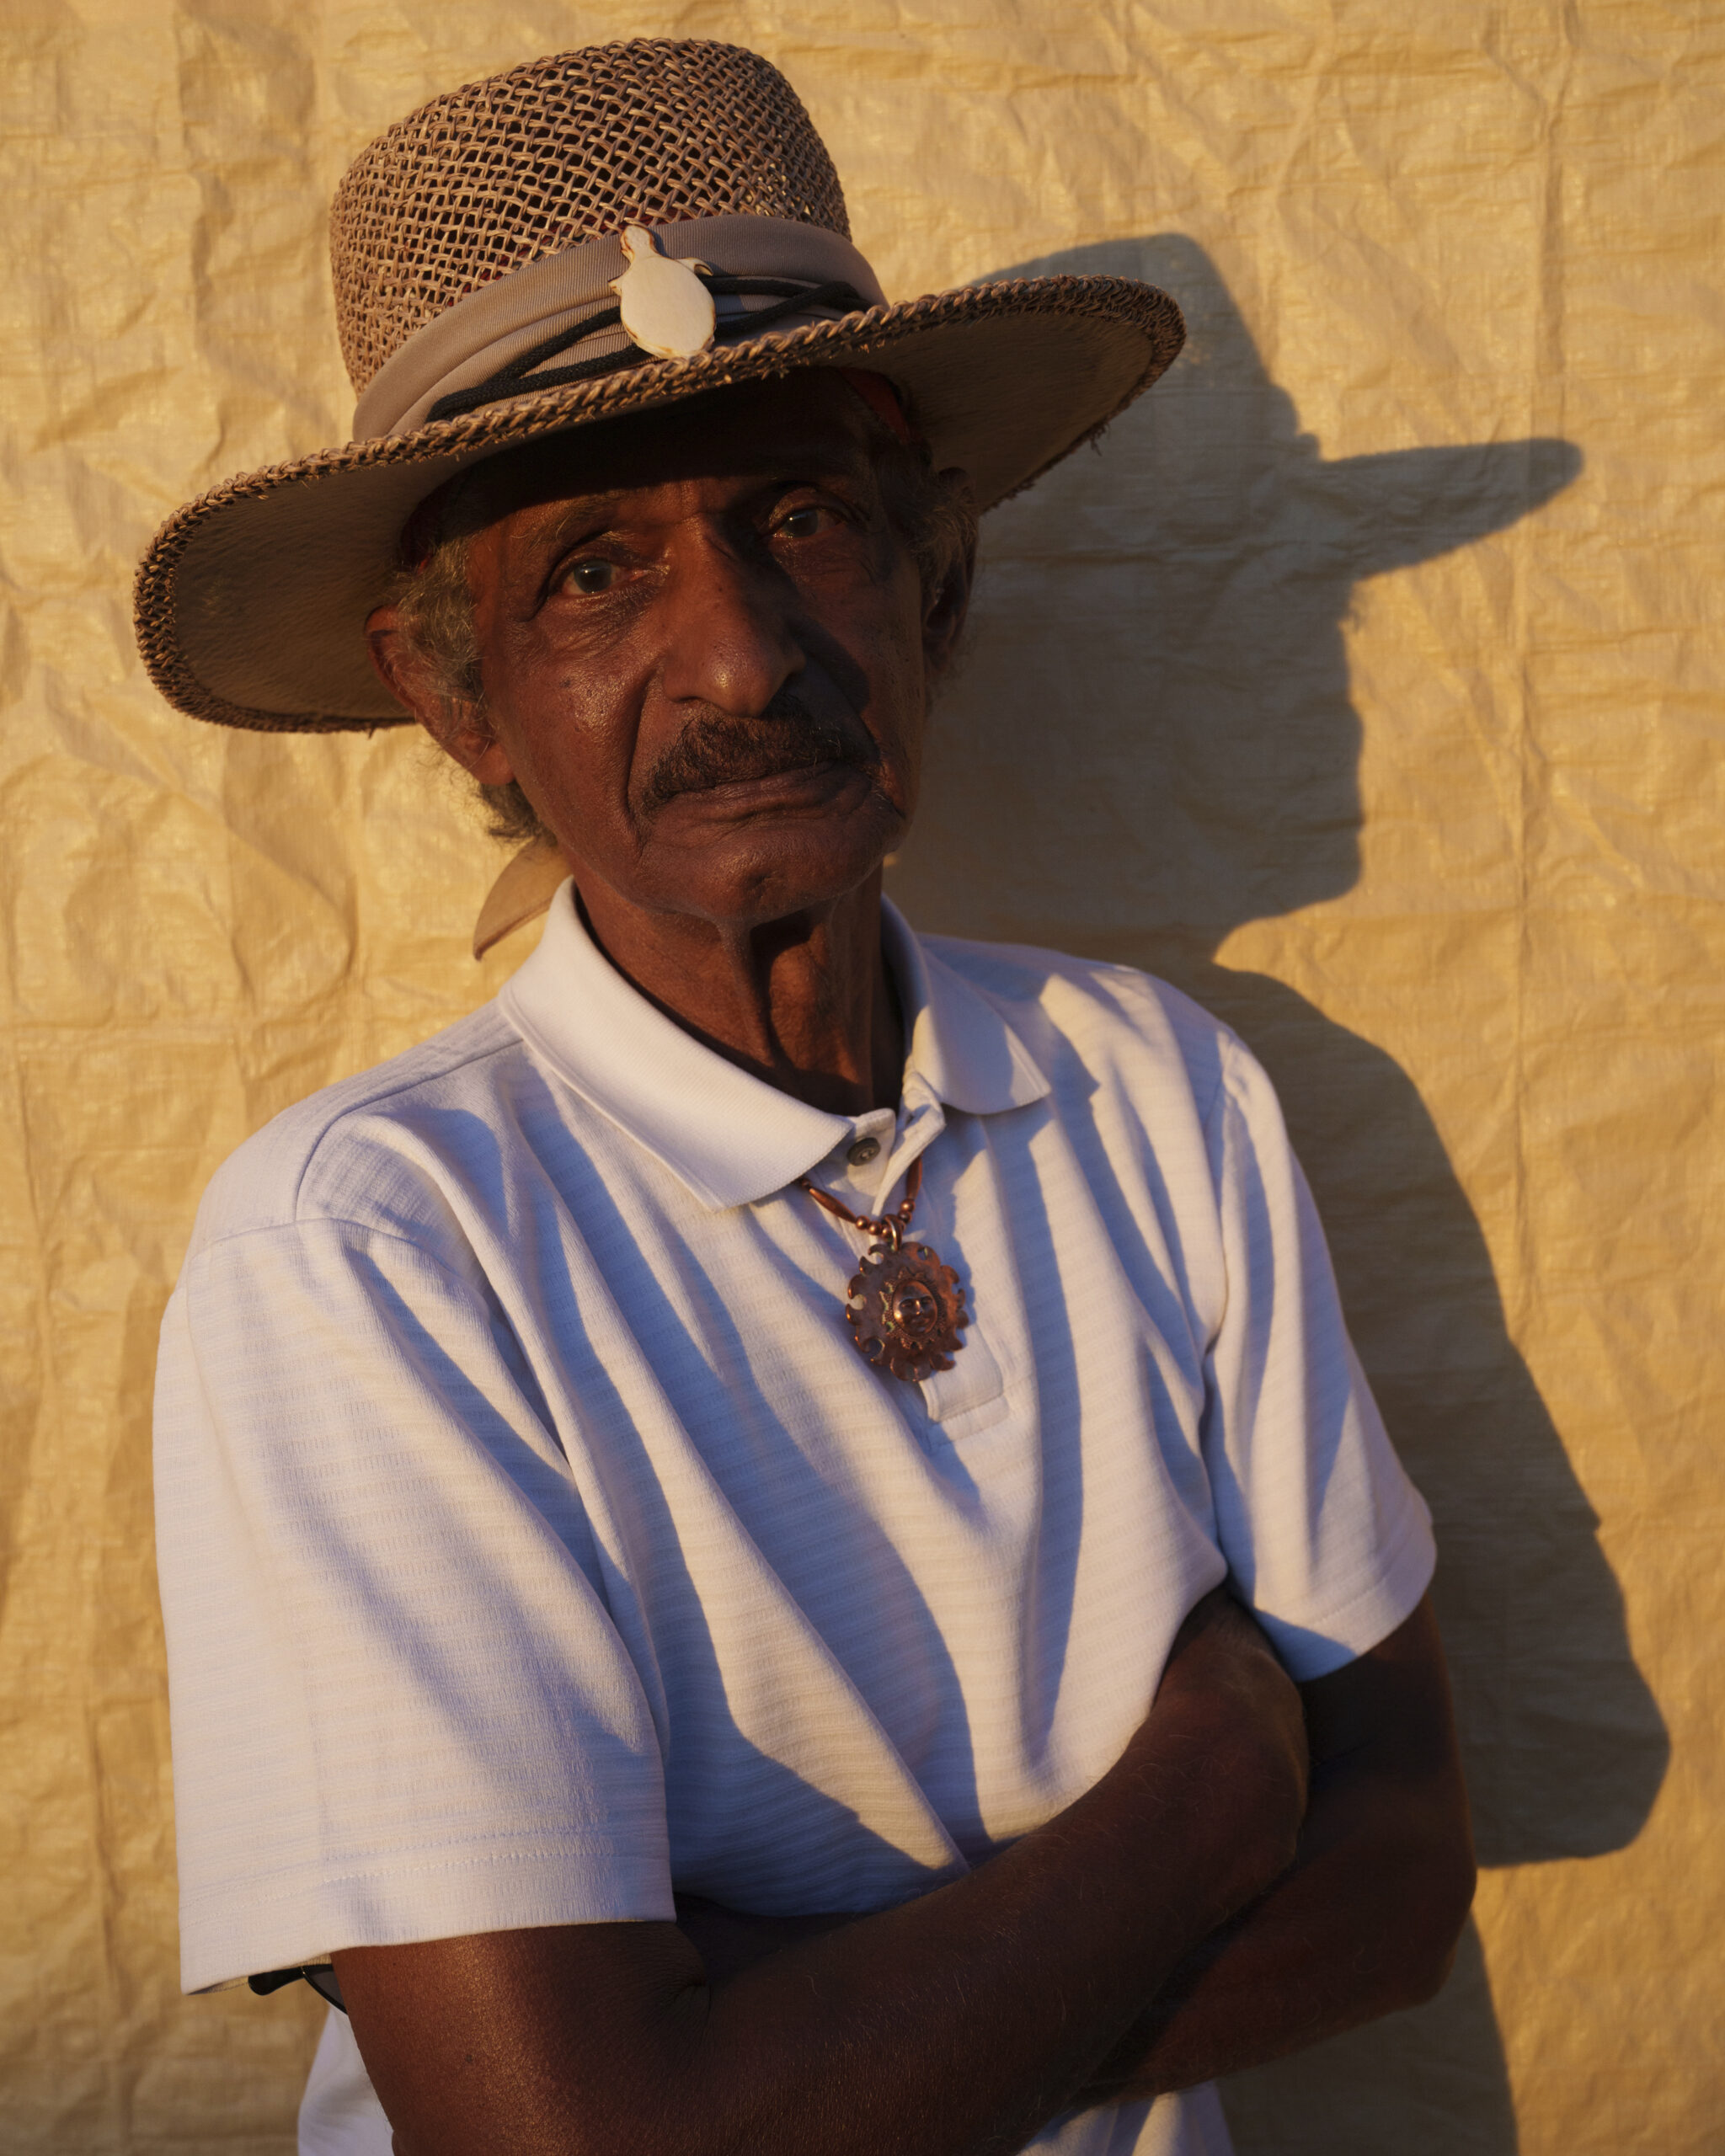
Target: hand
[
  {"x": 1225, "y": 1700},
  {"x": 1221, "y": 1643}
]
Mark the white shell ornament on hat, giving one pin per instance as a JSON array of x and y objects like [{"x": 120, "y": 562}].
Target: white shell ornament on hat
[{"x": 666, "y": 308}]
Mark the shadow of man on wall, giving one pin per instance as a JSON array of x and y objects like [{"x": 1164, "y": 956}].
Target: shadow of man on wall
[{"x": 1209, "y": 559}]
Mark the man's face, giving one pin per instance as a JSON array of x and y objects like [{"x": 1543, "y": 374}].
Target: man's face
[{"x": 707, "y": 651}]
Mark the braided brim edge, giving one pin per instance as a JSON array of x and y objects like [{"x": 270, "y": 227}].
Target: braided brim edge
[{"x": 880, "y": 336}]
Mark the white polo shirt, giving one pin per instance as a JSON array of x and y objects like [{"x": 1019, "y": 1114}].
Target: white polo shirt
[{"x": 533, "y": 1538}]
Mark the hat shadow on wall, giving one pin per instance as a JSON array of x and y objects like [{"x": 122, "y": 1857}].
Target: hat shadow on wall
[{"x": 1210, "y": 554}]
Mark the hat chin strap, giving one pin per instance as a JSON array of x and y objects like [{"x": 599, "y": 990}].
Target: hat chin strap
[
  {"x": 502, "y": 341},
  {"x": 882, "y": 398}
]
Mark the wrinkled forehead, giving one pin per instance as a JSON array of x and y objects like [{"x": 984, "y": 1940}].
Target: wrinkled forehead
[{"x": 806, "y": 424}]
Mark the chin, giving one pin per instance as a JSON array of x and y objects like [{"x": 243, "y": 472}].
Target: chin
[{"x": 766, "y": 874}]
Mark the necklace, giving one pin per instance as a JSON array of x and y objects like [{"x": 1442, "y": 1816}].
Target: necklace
[{"x": 905, "y": 1308}]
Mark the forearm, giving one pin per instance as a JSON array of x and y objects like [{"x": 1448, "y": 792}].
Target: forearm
[
  {"x": 1365, "y": 1922},
  {"x": 1367, "y": 1919},
  {"x": 730, "y": 1941},
  {"x": 958, "y": 2023},
  {"x": 964, "y": 2025}
]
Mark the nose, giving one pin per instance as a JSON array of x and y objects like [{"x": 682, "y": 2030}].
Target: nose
[{"x": 729, "y": 638}]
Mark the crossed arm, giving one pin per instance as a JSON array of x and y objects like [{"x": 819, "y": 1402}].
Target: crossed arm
[{"x": 1262, "y": 1867}]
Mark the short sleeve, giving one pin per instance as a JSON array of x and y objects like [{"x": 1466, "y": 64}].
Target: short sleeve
[
  {"x": 1324, "y": 1534},
  {"x": 400, "y": 1709}
]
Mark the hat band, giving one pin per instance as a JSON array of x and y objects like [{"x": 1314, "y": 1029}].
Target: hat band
[
  {"x": 766, "y": 275},
  {"x": 786, "y": 299}
]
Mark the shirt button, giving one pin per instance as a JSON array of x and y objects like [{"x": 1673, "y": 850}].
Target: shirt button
[{"x": 863, "y": 1152}]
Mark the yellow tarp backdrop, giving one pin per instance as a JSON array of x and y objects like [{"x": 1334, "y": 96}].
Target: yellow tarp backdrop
[{"x": 1366, "y": 683}]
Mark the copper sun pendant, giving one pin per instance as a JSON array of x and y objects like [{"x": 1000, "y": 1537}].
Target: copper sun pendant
[{"x": 906, "y": 1310}]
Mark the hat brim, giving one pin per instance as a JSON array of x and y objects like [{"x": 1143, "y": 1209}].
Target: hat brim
[{"x": 252, "y": 601}]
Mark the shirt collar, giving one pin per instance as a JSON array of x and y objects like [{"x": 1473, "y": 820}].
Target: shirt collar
[
  {"x": 730, "y": 1137},
  {"x": 962, "y": 1051}
]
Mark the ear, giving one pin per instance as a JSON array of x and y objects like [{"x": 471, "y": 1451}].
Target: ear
[
  {"x": 943, "y": 617},
  {"x": 455, "y": 725}
]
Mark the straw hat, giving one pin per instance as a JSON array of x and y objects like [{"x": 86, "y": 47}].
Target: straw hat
[{"x": 514, "y": 259}]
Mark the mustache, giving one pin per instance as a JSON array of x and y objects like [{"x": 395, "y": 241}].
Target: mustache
[{"x": 721, "y": 749}]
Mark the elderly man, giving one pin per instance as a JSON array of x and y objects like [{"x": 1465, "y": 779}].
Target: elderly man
[{"x": 708, "y": 1513}]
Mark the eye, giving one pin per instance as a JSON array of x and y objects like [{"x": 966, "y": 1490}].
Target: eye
[
  {"x": 807, "y": 522},
  {"x": 590, "y": 576}
]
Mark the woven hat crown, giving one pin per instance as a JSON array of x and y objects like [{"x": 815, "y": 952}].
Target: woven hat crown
[{"x": 564, "y": 149}]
